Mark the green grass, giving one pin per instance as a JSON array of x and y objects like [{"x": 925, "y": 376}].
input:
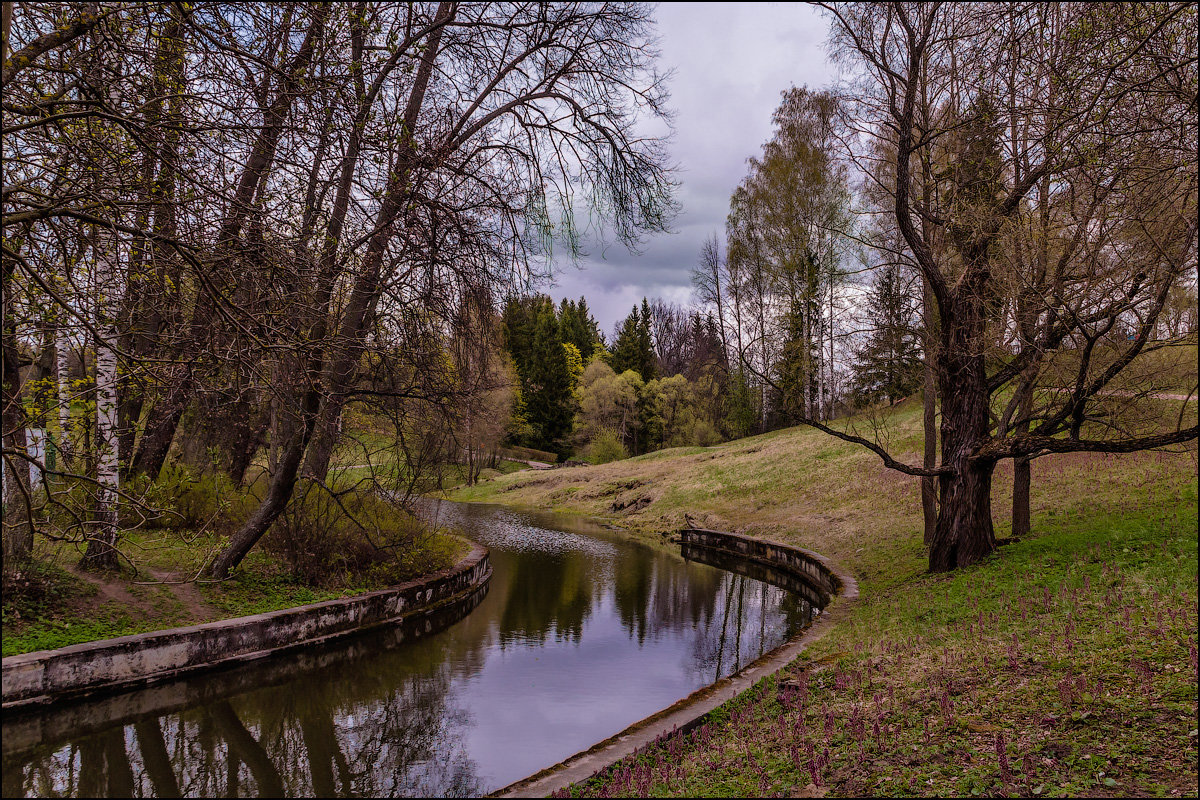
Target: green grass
[
  {"x": 47, "y": 607},
  {"x": 262, "y": 585},
  {"x": 1072, "y": 651}
]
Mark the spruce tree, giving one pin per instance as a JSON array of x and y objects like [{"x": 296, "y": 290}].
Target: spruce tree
[
  {"x": 634, "y": 347},
  {"x": 625, "y": 346},
  {"x": 517, "y": 328},
  {"x": 645, "y": 345},
  {"x": 578, "y": 328},
  {"x": 888, "y": 367},
  {"x": 549, "y": 402}
]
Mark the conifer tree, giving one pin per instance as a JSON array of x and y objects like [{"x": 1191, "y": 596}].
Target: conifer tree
[
  {"x": 624, "y": 349},
  {"x": 888, "y": 367},
  {"x": 634, "y": 346},
  {"x": 578, "y": 327},
  {"x": 549, "y": 401},
  {"x": 517, "y": 328},
  {"x": 645, "y": 345}
]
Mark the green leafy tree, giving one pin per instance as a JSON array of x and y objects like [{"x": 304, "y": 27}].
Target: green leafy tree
[
  {"x": 673, "y": 404},
  {"x": 574, "y": 367},
  {"x": 741, "y": 413}
]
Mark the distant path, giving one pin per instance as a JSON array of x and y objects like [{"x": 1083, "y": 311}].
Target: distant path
[
  {"x": 1128, "y": 393},
  {"x": 534, "y": 464}
]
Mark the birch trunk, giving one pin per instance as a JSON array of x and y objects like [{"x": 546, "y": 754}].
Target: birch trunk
[
  {"x": 102, "y": 541},
  {"x": 62, "y": 369}
]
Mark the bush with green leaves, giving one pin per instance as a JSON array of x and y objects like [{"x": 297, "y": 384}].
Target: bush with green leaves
[{"x": 606, "y": 446}]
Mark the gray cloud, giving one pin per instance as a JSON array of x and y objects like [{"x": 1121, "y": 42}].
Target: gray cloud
[{"x": 732, "y": 61}]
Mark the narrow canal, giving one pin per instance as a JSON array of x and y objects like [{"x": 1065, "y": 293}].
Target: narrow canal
[{"x": 582, "y": 632}]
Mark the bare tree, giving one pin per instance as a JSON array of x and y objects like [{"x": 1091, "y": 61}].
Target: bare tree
[
  {"x": 935, "y": 90},
  {"x": 295, "y": 185},
  {"x": 549, "y": 105},
  {"x": 707, "y": 277}
]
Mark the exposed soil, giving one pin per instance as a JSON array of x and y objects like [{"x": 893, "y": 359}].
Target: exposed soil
[
  {"x": 186, "y": 592},
  {"x": 116, "y": 590}
]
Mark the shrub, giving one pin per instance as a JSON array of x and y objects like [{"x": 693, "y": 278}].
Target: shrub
[
  {"x": 354, "y": 538},
  {"x": 705, "y": 434},
  {"x": 180, "y": 498},
  {"x": 33, "y": 588},
  {"x": 606, "y": 446}
]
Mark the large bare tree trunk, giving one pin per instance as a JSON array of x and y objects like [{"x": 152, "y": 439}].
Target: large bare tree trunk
[
  {"x": 1022, "y": 479},
  {"x": 279, "y": 492},
  {"x": 928, "y": 484},
  {"x": 964, "y": 532},
  {"x": 161, "y": 424}
]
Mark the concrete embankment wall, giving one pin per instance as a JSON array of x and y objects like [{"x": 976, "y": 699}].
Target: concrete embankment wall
[
  {"x": 824, "y": 581},
  {"x": 805, "y": 564},
  {"x": 84, "y": 669}
]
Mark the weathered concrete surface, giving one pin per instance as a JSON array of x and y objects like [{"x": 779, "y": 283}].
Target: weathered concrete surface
[
  {"x": 805, "y": 564},
  {"x": 26, "y": 730},
  {"x": 71, "y": 672},
  {"x": 802, "y": 587},
  {"x": 691, "y": 710}
]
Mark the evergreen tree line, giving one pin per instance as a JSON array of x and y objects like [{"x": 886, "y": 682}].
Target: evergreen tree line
[{"x": 662, "y": 382}]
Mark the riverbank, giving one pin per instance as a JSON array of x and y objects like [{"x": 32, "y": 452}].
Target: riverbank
[
  {"x": 110, "y": 665},
  {"x": 60, "y": 605},
  {"x": 1063, "y": 664}
]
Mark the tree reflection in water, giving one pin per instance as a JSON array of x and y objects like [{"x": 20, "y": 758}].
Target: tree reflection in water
[{"x": 582, "y": 632}]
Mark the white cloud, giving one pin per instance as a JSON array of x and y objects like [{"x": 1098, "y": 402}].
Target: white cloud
[{"x": 732, "y": 61}]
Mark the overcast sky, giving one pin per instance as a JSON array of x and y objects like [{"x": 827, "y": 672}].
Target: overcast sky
[{"x": 732, "y": 61}]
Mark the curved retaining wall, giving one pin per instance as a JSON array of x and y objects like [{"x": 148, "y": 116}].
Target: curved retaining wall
[
  {"x": 802, "y": 587},
  {"x": 813, "y": 569},
  {"x": 70, "y": 672},
  {"x": 27, "y": 730},
  {"x": 805, "y": 564}
]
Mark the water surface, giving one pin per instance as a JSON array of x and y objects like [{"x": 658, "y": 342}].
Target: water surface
[{"x": 582, "y": 632}]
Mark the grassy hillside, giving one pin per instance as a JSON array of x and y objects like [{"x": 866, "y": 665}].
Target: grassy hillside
[
  {"x": 1063, "y": 664},
  {"x": 804, "y": 487}
]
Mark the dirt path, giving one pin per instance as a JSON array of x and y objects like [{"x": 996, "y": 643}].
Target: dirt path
[
  {"x": 186, "y": 593},
  {"x": 112, "y": 591},
  {"x": 117, "y": 591}
]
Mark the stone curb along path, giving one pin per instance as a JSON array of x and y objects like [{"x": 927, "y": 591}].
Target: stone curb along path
[
  {"x": 48, "y": 676},
  {"x": 691, "y": 710}
]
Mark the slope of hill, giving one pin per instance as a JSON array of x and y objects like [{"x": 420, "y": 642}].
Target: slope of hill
[{"x": 1062, "y": 664}]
